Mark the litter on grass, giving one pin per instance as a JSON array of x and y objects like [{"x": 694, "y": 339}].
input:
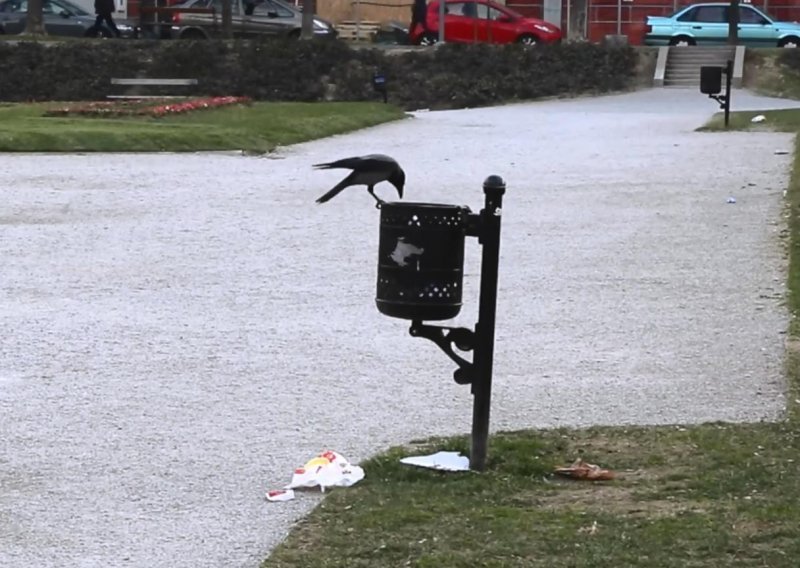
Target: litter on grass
[
  {"x": 585, "y": 471},
  {"x": 443, "y": 461},
  {"x": 328, "y": 469}
]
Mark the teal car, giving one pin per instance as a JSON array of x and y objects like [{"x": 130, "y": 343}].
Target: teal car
[{"x": 707, "y": 24}]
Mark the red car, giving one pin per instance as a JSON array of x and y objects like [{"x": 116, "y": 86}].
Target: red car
[{"x": 482, "y": 21}]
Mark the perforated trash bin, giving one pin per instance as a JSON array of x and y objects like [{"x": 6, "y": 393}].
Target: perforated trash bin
[{"x": 421, "y": 260}]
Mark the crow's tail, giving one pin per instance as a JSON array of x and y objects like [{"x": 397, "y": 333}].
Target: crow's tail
[{"x": 335, "y": 191}]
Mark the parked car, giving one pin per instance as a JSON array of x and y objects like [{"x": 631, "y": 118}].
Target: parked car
[
  {"x": 60, "y": 18},
  {"x": 482, "y": 21},
  {"x": 249, "y": 18},
  {"x": 707, "y": 24}
]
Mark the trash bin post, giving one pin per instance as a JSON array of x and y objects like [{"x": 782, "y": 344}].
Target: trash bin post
[
  {"x": 728, "y": 82},
  {"x": 489, "y": 238},
  {"x": 420, "y": 270},
  {"x": 711, "y": 85}
]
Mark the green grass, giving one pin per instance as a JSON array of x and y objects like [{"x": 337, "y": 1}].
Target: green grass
[
  {"x": 764, "y": 75},
  {"x": 712, "y": 495},
  {"x": 785, "y": 120},
  {"x": 259, "y": 127}
]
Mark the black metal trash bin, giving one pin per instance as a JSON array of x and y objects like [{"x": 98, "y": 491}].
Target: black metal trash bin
[
  {"x": 421, "y": 260},
  {"x": 710, "y": 80}
]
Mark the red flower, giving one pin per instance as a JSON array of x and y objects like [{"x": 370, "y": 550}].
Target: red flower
[{"x": 143, "y": 108}]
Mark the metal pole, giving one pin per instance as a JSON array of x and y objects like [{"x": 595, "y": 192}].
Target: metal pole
[
  {"x": 619, "y": 17},
  {"x": 569, "y": 19},
  {"x": 441, "y": 21},
  {"x": 488, "y": 25},
  {"x": 358, "y": 20},
  {"x": 494, "y": 187},
  {"x": 728, "y": 81}
]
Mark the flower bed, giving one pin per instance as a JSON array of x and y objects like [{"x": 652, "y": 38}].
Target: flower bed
[{"x": 155, "y": 108}]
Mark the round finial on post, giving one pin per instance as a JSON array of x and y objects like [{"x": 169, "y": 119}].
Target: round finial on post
[{"x": 495, "y": 185}]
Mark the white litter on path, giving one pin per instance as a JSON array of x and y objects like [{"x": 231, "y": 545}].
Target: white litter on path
[
  {"x": 443, "y": 461},
  {"x": 327, "y": 469},
  {"x": 280, "y": 495}
]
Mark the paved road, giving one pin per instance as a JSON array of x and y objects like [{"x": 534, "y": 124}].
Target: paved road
[{"x": 179, "y": 332}]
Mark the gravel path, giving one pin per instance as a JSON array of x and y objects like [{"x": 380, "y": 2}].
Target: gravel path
[{"x": 180, "y": 332}]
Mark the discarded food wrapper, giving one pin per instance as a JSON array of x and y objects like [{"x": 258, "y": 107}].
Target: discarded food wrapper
[
  {"x": 781, "y": 152},
  {"x": 443, "y": 461},
  {"x": 328, "y": 469},
  {"x": 588, "y": 471},
  {"x": 280, "y": 495},
  {"x": 731, "y": 200},
  {"x": 758, "y": 118}
]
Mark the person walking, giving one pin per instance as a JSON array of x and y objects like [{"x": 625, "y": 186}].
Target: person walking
[
  {"x": 104, "y": 9},
  {"x": 419, "y": 12}
]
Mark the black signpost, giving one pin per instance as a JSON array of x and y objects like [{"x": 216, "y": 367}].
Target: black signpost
[
  {"x": 379, "y": 84},
  {"x": 711, "y": 85}
]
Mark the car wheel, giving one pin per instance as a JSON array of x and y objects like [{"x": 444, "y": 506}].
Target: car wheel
[
  {"x": 789, "y": 42},
  {"x": 428, "y": 39},
  {"x": 681, "y": 41},
  {"x": 528, "y": 39},
  {"x": 193, "y": 34}
]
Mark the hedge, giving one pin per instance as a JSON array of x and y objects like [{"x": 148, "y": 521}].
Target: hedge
[
  {"x": 790, "y": 58},
  {"x": 450, "y": 76}
]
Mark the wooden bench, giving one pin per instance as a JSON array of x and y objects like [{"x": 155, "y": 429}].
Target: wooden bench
[
  {"x": 350, "y": 30},
  {"x": 142, "y": 82}
]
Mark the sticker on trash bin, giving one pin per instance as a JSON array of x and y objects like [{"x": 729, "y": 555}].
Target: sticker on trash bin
[
  {"x": 328, "y": 469},
  {"x": 443, "y": 461}
]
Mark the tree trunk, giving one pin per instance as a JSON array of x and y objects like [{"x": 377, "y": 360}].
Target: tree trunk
[
  {"x": 733, "y": 23},
  {"x": 34, "y": 23},
  {"x": 227, "y": 19},
  {"x": 309, "y": 10}
]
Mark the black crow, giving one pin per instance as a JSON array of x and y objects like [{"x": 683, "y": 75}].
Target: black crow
[{"x": 367, "y": 170}]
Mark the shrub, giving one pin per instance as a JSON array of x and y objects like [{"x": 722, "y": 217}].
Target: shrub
[
  {"x": 450, "y": 76},
  {"x": 790, "y": 58}
]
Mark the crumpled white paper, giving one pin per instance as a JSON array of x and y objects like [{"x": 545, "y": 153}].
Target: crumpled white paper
[
  {"x": 328, "y": 469},
  {"x": 443, "y": 461},
  {"x": 758, "y": 118}
]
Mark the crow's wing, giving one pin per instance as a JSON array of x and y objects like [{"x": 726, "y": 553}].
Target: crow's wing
[
  {"x": 370, "y": 163},
  {"x": 349, "y": 163}
]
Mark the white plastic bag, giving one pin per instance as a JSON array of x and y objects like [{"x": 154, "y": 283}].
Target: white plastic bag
[{"x": 328, "y": 469}]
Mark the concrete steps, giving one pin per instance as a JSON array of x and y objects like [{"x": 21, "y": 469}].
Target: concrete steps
[{"x": 684, "y": 63}]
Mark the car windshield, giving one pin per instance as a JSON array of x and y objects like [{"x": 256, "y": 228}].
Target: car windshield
[
  {"x": 264, "y": 7},
  {"x": 285, "y": 5},
  {"x": 509, "y": 12},
  {"x": 481, "y": 9}
]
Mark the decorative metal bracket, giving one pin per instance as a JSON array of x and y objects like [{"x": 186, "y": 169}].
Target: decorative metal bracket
[
  {"x": 721, "y": 99},
  {"x": 447, "y": 337}
]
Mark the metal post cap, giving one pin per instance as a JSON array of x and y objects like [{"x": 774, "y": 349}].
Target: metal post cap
[{"x": 494, "y": 183}]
